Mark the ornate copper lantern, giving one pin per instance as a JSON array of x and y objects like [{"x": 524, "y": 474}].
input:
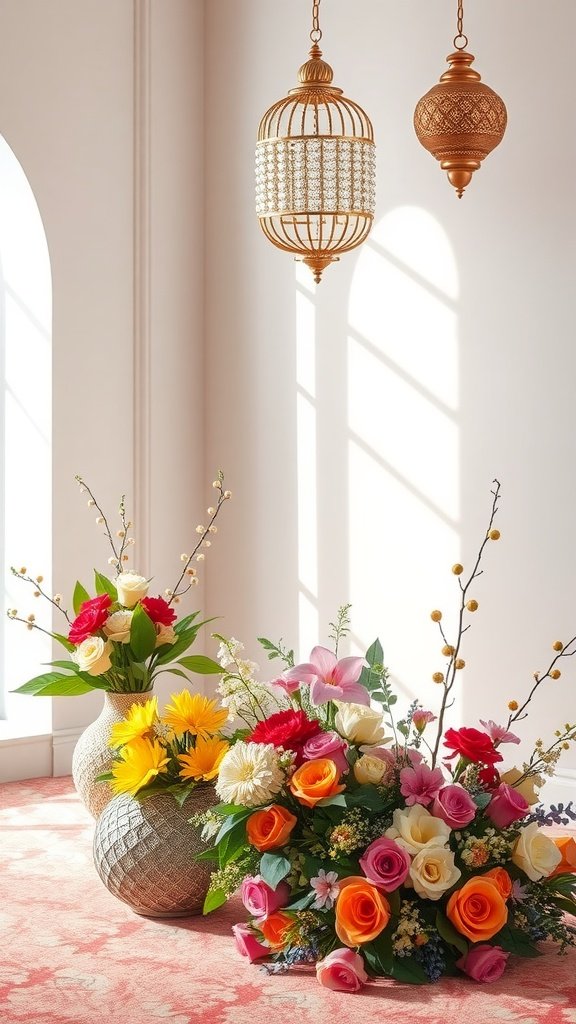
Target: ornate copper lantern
[
  {"x": 315, "y": 167},
  {"x": 460, "y": 120}
]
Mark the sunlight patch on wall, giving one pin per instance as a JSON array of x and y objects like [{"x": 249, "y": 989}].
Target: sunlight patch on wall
[{"x": 307, "y": 460}]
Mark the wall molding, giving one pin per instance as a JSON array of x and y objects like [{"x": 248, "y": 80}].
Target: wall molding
[{"x": 142, "y": 279}]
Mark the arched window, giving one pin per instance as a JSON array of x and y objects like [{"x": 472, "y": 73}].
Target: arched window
[{"x": 25, "y": 437}]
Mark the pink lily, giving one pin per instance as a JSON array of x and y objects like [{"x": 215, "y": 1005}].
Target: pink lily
[{"x": 331, "y": 679}]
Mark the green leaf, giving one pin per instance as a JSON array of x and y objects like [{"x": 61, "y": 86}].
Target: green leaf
[
  {"x": 303, "y": 903},
  {"x": 371, "y": 675},
  {"x": 512, "y": 940},
  {"x": 80, "y": 595},
  {"x": 273, "y": 868},
  {"x": 173, "y": 651},
  {"x": 104, "y": 585},
  {"x": 214, "y": 899},
  {"x": 230, "y": 822},
  {"x": 394, "y": 902},
  {"x": 226, "y": 809},
  {"x": 233, "y": 844},
  {"x": 366, "y": 796},
  {"x": 482, "y": 800},
  {"x": 211, "y": 854},
  {"x": 185, "y": 622},
  {"x": 64, "y": 641},
  {"x": 565, "y": 885},
  {"x": 447, "y": 931},
  {"x": 142, "y": 634},
  {"x": 340, "y": 800},
  {"x": 382, "y": 961},
  {"x": 201, "y": 664},
  {"x": 55, "y": 684}
]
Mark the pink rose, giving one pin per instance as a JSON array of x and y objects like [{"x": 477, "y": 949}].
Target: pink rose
[
  {"x": 342, "y": 971},
  {"x": 455, "y": 806},
  {"x": 385, "y": 864},
  {"x": 260, "y": 900},
  {"x": 507, "y": 805},
  {"x": 484, "y": 963},
  {"x": 327, "y": 744},
  {"x": 247, "y": 944}
]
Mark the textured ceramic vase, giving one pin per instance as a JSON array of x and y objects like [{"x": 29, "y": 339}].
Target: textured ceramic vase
[
  {"x": 92, "y": 755},
  {"x": 144, "y": 853}
]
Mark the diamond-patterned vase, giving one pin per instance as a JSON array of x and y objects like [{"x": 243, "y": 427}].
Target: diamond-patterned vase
[
  {"x": 144, "y": 853},
  {"x": 92, "y": 755}
]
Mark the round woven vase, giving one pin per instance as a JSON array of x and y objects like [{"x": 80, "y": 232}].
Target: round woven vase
[
  {"x": 144, "y": 853},
  {"x": 92, "y": 755}
]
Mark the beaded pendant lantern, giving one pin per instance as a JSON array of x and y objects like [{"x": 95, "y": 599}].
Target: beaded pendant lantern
[
  {"x": 460, "y": 120},
  {"x": 315, "y": 167}
]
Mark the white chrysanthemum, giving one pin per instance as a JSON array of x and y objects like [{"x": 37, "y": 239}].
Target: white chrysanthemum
[{"x": 249, "y": 774}]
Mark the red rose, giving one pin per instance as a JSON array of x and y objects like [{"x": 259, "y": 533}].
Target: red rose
[
  {"x": 90, "y": 618},
  {"x": 489, "y": 777},
  {"x": 472, "y": 744},
  {"x": 288, "y": 729},
  {"x": 159, "y": 611}
]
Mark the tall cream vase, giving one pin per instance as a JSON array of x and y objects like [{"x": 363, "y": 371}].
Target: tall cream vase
[{"x": 92, "y": 754}]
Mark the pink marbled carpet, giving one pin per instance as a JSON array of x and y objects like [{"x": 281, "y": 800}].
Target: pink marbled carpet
[{"x": 72, "y": 954}]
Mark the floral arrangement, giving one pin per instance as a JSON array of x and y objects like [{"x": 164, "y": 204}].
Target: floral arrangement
[
  {"x": 372, "y": 845},
  {"x": 121, "y": 639},
  {"x": 169, "y": 753}
]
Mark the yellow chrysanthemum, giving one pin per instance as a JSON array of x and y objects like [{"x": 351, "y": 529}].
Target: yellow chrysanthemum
[
  {"x": 195, "y": 714},
  {"x": 139, "y": 762},
  {"x": 138, "y": 723},
  {"x": 202, "y": 763}
]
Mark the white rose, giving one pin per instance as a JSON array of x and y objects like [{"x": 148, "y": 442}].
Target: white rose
[
  {"x": 528, "y": 788},
  {"x": 369, "y": 770},
  {"x": 535, "y": 853},
  {"x": 131, "y": 588},
  {"x": 415, "y": 828},
  {"x": 359, "y": 724},
  {"x": 165, "y": 635},
  {"x": 117, "y": 626},
  {"x": 433, "y": 872},
  {"x": 93, "y": 655}
]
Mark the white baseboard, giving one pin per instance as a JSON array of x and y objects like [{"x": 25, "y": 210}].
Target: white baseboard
[
  {"x": 63, "y": 743},
  {"x": 25, "y": 757}
]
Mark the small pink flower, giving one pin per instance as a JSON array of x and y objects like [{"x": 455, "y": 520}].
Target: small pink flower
[
  {"x": 282, "y": 686},
  {"x": 260, "y": 899},
  {"x": 398, "y": 756},
  {"x": 421, "y": 718},
  {"x": 342, "y": 971},
  {"x": 421, "y": 784},
  {"x": 327, "y": 744},
  {"x": 499, "y": 732},
  {"x": 326, "y": 887},
  {"x": 455, "y": 806},
  {"x": 247, "y": 944},
  {"x": 331, "y": 679},
  {"x": 484, "y": 963},
  {"x": 506, "y": 806}
]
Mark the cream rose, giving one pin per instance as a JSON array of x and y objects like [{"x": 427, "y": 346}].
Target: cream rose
[
  {"x": 369, "y": 770},
  {"x": 165, "y": 635},
  {"x": 93, "y": 655},
  {"x": 359, "y": 724},
  {"x": 117, "y": 626},
  {"x": 131, "y": 588},
  {"x": 433, "y": 872},
  {"x": 535, "y": 853},
  {"x": 415, "y": 829},
  {"x": 528, "y": 788}
]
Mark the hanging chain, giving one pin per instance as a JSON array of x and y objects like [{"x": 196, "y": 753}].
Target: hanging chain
[
  {"x": 460, "y": 40},
  {"x": 316, "y": 33}
]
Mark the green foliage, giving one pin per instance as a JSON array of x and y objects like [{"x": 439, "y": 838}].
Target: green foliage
[
  {"x": 80, "y": 595},
  {"x": 273, "y": 868},
  {"x": 382, "y": 961},
  {"x": 56, "y": 684},
  {"x": 64, "y": 641},
  {"x": 275, "y": 651},
  {"x": 482, "y": 800},
  {"x": 201, "y": 664},
  {"x": 512, "y": 940},
  {"x": 215, "y": 898},
  {"x": 447, "y": 931},
  {"x": 142, "y": 634},
  {"x": 341, "y": 627},
  {"x": 104, "y": 585}
]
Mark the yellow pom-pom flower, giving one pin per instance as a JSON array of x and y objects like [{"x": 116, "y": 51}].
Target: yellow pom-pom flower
[
  {"x": 138, "y": 763},
  {"x": 513, "y": 705},
  {"x": 195, "y": 714},
  {"x": 202, "y": 763},
  {"x": 138, "y": 723}
]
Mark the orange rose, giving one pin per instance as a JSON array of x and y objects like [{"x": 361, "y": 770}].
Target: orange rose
[
  {"x": 477, "y": 910},
  {"x": 501, "y": 879},
  {"x": 362, "y": 912},
  {"x": 275, "y": 929},
  {"x": 315, "y": 780},
  {"x": 567, "y": 847},
  {"x": 269, "y": 829}
]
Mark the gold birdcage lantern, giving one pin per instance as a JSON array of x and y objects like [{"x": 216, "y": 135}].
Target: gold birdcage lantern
[
  {"x": 460, "y": 120},
  {"x": 315, "y": 167}
]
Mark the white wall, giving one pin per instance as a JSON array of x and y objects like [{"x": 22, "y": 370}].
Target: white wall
[{"x": 435, "y": 358}]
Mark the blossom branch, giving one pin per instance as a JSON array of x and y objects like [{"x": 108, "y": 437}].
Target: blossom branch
[
  {"x": 39, "y": 592},
  {"x": 102, "y": 519},
  {"x": 223, "y": 496}
]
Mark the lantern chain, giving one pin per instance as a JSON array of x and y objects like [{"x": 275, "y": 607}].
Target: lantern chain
[
  {"x": 460, "y": 40},
  {"x": 316, "y": 33}
]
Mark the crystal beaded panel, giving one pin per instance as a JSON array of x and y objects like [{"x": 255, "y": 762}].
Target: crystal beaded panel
[{"x": 315, "y": 175}]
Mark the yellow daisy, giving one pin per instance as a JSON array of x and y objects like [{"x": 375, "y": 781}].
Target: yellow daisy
[
  {"x": 138, "y": 723},
  {"x": 139, "y": 762},
  {"x": 195, "y": 714},
  {"x": 202, "y": 763}
]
